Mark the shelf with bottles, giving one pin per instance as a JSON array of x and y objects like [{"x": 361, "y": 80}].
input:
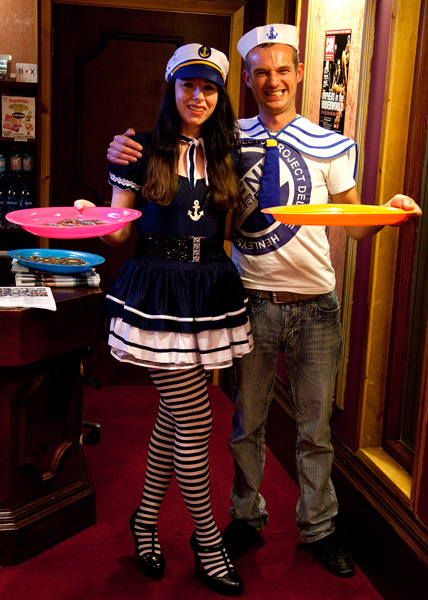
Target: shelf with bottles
[
  {"x": 18, "y": 166},
  {"x": 18, "y": 161},
  {"x": 15, "y": 195}
]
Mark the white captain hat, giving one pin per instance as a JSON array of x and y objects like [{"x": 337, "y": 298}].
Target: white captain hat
[
  {"x": 277, "y": 33},
  {"x": 196, "y": 60}
]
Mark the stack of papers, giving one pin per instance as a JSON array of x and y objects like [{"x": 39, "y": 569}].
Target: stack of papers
[{"x": 26, "y": 277}]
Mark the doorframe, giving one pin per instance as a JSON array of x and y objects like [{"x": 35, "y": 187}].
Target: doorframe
[{"x": 233, "y": 9}]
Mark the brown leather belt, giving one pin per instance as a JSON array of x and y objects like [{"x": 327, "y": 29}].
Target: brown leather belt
[{"x": 281, "y": 297}]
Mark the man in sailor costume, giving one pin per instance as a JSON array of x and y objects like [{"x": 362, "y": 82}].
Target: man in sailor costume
[
  {"x": 286, "y": 270},
  {"x": 284, "y": 159}
]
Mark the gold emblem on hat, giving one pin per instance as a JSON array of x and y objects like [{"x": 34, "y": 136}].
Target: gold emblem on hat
[{"x": 204, "y": 51}]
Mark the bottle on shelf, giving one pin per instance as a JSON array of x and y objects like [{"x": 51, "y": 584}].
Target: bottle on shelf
[
  {"x": 12, "y": 203},
  {"x": 25, "y": 197},
  {"x": 15, "y": 162},
  {"x": 2, "y": 163},
  {"x": 28, "y": 162}
]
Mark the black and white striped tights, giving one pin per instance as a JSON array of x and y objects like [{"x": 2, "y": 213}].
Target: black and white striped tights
[{"x": 179, "y": 442}]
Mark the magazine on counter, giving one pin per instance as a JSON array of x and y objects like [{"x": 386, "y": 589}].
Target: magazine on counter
[{"x": 27, "y": 297}]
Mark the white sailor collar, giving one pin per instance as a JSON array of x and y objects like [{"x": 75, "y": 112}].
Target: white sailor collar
[{"x": 302, "y": 135}]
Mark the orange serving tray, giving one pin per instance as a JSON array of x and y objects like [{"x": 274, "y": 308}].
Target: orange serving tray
[{"x": 338, "y": 214}]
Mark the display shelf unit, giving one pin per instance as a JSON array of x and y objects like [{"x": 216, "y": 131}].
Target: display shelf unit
[{"x": 17, "y": 238}]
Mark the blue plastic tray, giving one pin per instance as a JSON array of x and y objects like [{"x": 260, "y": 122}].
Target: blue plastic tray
[{"x": 91, "y": 260}]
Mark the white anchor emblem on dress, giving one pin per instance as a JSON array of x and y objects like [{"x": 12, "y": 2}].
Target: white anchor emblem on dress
[{"x": 195, "y": 216}]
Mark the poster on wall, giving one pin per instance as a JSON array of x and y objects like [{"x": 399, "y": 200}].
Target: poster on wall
[{"x": 335, "y": 79}]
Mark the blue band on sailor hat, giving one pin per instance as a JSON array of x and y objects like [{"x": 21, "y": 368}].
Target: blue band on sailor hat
[{"x": 196, "y": 60}]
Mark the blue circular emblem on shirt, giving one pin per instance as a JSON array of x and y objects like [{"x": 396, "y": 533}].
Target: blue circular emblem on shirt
[{"x": 253, "y": 233}]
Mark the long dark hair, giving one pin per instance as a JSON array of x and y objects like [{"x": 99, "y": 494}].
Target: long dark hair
[{"x": 220, "y": 136}]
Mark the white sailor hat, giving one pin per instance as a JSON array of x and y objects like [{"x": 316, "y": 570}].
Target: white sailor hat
[
  {"x": 196, "y": 60},
  {"x": 277, "y": 33}
]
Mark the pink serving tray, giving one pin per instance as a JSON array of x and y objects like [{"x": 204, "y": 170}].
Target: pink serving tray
[{"x": 38, "y": 220}]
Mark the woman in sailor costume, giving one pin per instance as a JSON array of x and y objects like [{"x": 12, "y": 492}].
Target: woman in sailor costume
[{"x": 178, "y": 306}]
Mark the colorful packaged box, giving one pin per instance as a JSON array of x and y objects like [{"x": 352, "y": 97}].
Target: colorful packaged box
[{"x": 18, "y": 115}]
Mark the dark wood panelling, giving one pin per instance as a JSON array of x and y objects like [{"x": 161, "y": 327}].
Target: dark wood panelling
[{"x": 46, "y": 493}]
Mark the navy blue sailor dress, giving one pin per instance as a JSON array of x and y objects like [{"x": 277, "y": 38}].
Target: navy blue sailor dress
[{"x": 172, "y": 314}]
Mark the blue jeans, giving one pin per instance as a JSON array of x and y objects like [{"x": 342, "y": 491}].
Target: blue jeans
[{"x": 309, "y": 333}]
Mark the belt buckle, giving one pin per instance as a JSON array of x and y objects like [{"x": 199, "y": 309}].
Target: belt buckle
[
  {"x": 196, "y": 248},
  {"x": 284, "y": 297}
]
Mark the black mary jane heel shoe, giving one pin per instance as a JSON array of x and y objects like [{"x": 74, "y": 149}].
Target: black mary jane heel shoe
[
  {"x": 151, "y": 563},
  {"x": 230, "y": 584}
]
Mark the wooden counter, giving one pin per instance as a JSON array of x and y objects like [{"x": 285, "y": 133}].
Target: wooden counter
[{"x": 46, "y": 493}]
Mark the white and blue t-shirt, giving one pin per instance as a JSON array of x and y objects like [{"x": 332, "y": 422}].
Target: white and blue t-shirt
[{"x": 314, "y": 163}]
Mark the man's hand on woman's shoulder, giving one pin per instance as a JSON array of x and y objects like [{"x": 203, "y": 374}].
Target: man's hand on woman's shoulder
[{"x": 123, "y": 149}]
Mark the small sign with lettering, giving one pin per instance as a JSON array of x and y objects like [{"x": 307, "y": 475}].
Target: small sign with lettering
[{"x": 26, "y": 72}]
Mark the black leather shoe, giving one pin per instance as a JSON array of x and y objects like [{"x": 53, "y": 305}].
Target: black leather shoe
[
  {"x": 332, "y": 555},
  {"x": 239, "y": 536},
  {"x": 152, "y": 563}
]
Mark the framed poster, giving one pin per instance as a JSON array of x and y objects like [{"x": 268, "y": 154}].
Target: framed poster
[{"x": 335, "y": 79}]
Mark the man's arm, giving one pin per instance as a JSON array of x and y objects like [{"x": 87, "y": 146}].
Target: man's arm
[
  {"x": 123, "y": 150},
  {"x": 360, "y": 232}
]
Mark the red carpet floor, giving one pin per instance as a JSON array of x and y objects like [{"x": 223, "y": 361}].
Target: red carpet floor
[{"x": 98, "y": 563}]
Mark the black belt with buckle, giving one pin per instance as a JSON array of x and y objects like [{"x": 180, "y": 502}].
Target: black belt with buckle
[
  {"x": 185, "y": 248},
  {"x": 281, "y": 297}
]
